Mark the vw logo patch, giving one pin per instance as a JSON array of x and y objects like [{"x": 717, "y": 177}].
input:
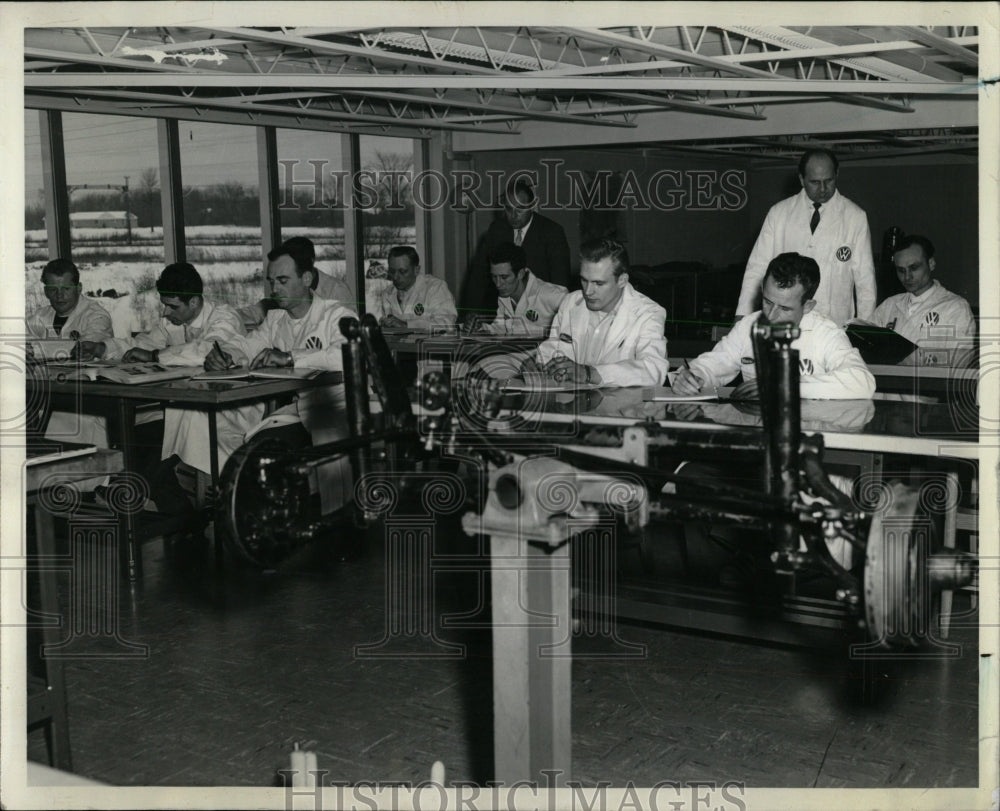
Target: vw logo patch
[
  {"x": 844, "y": 253},
  {"x": 931, "y": 319},
  {"x": 531, "y": 315},
  {"x": 418, "y": 308},
  {"x": 314, "y": 343},
  {"x": 805, "y": 366}
]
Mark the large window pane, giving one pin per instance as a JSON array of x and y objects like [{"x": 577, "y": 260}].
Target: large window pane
[
  {"x": 222, "y": 209},
  {"x": 388, "y": 167},
  {"x": 311, "y": 193},
  {"x": 112, "y": 181}
]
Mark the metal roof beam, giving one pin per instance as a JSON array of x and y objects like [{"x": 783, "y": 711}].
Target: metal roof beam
[
  {"x": 655, "y": 49},
  {"x": 310, "y": 112},
  {"x": 820, "y": 52},
  {"x": 339, "y": 49},
  {"x": 35, "y": 101},
  {"x": 948, "y": 46},
  {"x": 509, "y": 82}
]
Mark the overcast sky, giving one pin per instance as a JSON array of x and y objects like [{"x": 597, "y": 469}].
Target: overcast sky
[{"x": 103, "y": 149}]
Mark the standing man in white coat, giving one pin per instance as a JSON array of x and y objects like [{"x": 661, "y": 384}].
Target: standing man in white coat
[
  {"x": 526, "y": 305},
  {"x": 186, "y": 335},
  {"x": 415, "y": 299},
  {"x": 927, "y": 314},
  {"x": 829, "y": 367},
  {"x": 606, "y": 333},
  {"x": 820, "y": 223}
]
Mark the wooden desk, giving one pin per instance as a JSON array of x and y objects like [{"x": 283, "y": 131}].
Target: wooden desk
[
  {"x": 46, "y": 702},
  {"x": 205, "y": 395}
]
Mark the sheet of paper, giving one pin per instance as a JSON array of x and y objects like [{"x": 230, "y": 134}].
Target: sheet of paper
[
  {"x": 546, "y": 384},
  {"x": 664, "y": 394}
]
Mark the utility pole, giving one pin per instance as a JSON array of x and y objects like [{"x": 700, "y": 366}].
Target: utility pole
[{"x": 128, "y": 212}]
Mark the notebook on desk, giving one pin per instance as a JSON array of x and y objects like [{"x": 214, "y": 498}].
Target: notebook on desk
[
  {"x": 39, "y": 450},
  {"x": 879, "y": 345}
]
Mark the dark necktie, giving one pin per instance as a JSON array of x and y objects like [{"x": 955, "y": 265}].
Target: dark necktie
[
  {"x": 58, "y": 322},
  {"x": 815, "y": 218}
]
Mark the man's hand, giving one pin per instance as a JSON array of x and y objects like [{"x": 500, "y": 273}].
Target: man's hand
[
  {"x": 687, "y": 382},
  {"x": 392, "y": 322},
  {"x": 88, "y": 350},
  {"x": 685, "y": 411},
  {"x": 748, "y": 390},
  {"x": 272, "y": 357},
  {"x": 564, "y": 370},
  {"x": 217, "y": 360},
  {"x": 138, "y": 355}
]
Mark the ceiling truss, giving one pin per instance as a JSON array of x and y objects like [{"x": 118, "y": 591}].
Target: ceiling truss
[{"x": 492, "y": 80}]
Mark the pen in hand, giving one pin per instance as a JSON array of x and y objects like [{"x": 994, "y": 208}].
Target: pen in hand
[{"x": 227, "y": 358}]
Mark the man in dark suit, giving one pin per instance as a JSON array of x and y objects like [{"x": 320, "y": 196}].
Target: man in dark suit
[{"x": 544, "y": 243}]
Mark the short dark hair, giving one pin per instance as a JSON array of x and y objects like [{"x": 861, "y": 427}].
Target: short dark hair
[
  {"x": 180, "y": 280},
  {"x": 507, "y": 253},
  {"x": 405, "y": 250},
  {"x": 303, "y": 254},
  {"x": 817, "y": 153},
  {"x": 790, "y": 269},
  {"x": 596, "y": 250},
  {"x": 915, "y": 239},
  {"x": 60, "y": 267}
]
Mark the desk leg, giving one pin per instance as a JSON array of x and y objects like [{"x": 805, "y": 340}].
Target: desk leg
[
  {"x": 532, "y": 661},
  {"x": 57, "y": 724},
  {"x": 131, "y": 552},
  {"x": 213, "y": 455}
]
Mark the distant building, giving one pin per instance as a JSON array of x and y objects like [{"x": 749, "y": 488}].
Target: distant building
[{"x": 103, "y": 219}]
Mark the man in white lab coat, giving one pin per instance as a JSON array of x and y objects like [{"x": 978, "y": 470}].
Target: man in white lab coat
[
  {"x": 71, "y": 316},
  {"x": 820, "y": 223},
  {"x": 68, "y": 314},
  {"x": 938, "y": 321},
  {"x": 415, "y": 299},
  {"x": 526, "y": 305},
  {"x": 186, "y": 335},
  {"x": 325, "y": 286},
  {"x": 606, "y": 333},
  {"x": 303, "y": 333},
  {"x": 829, "y": 367}
]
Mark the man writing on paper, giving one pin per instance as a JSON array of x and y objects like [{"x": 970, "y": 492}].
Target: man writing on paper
[
  {"x": 186, "y": 336},
  {"x": 73, "y": 317},
  {"x": 927, "y": 314},
  {"x": 525, "y": 304},
  {"x": 325, "y": 286},
  {"x": 606, "y": 333},
  {"x": 829, "y": 367},
  {"x": 303, "y": 332},
  {"x": 820, "y": 223},
  {"x": 415, "y": 299}
]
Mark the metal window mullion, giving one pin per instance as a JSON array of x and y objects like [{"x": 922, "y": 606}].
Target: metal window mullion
[
  {"x": 54, "y": 182},
  {"x": 171, "y": 191}
]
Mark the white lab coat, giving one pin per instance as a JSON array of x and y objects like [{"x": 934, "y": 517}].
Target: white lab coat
[
  {"x": 315, "y": 342},
  {"x": 632, "y": 351},
  {"x": 936, "y": 321},
  {"x": 841, "y": 246},
  {"x": 185, "y": 430},
  {"x": 428, "y": 303},
  {"x": 533, "y": 312},
  {"x": 92, "y": 323},
  {"x": 829, "y": 367},
  {"x": 88, "y": 318}
]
